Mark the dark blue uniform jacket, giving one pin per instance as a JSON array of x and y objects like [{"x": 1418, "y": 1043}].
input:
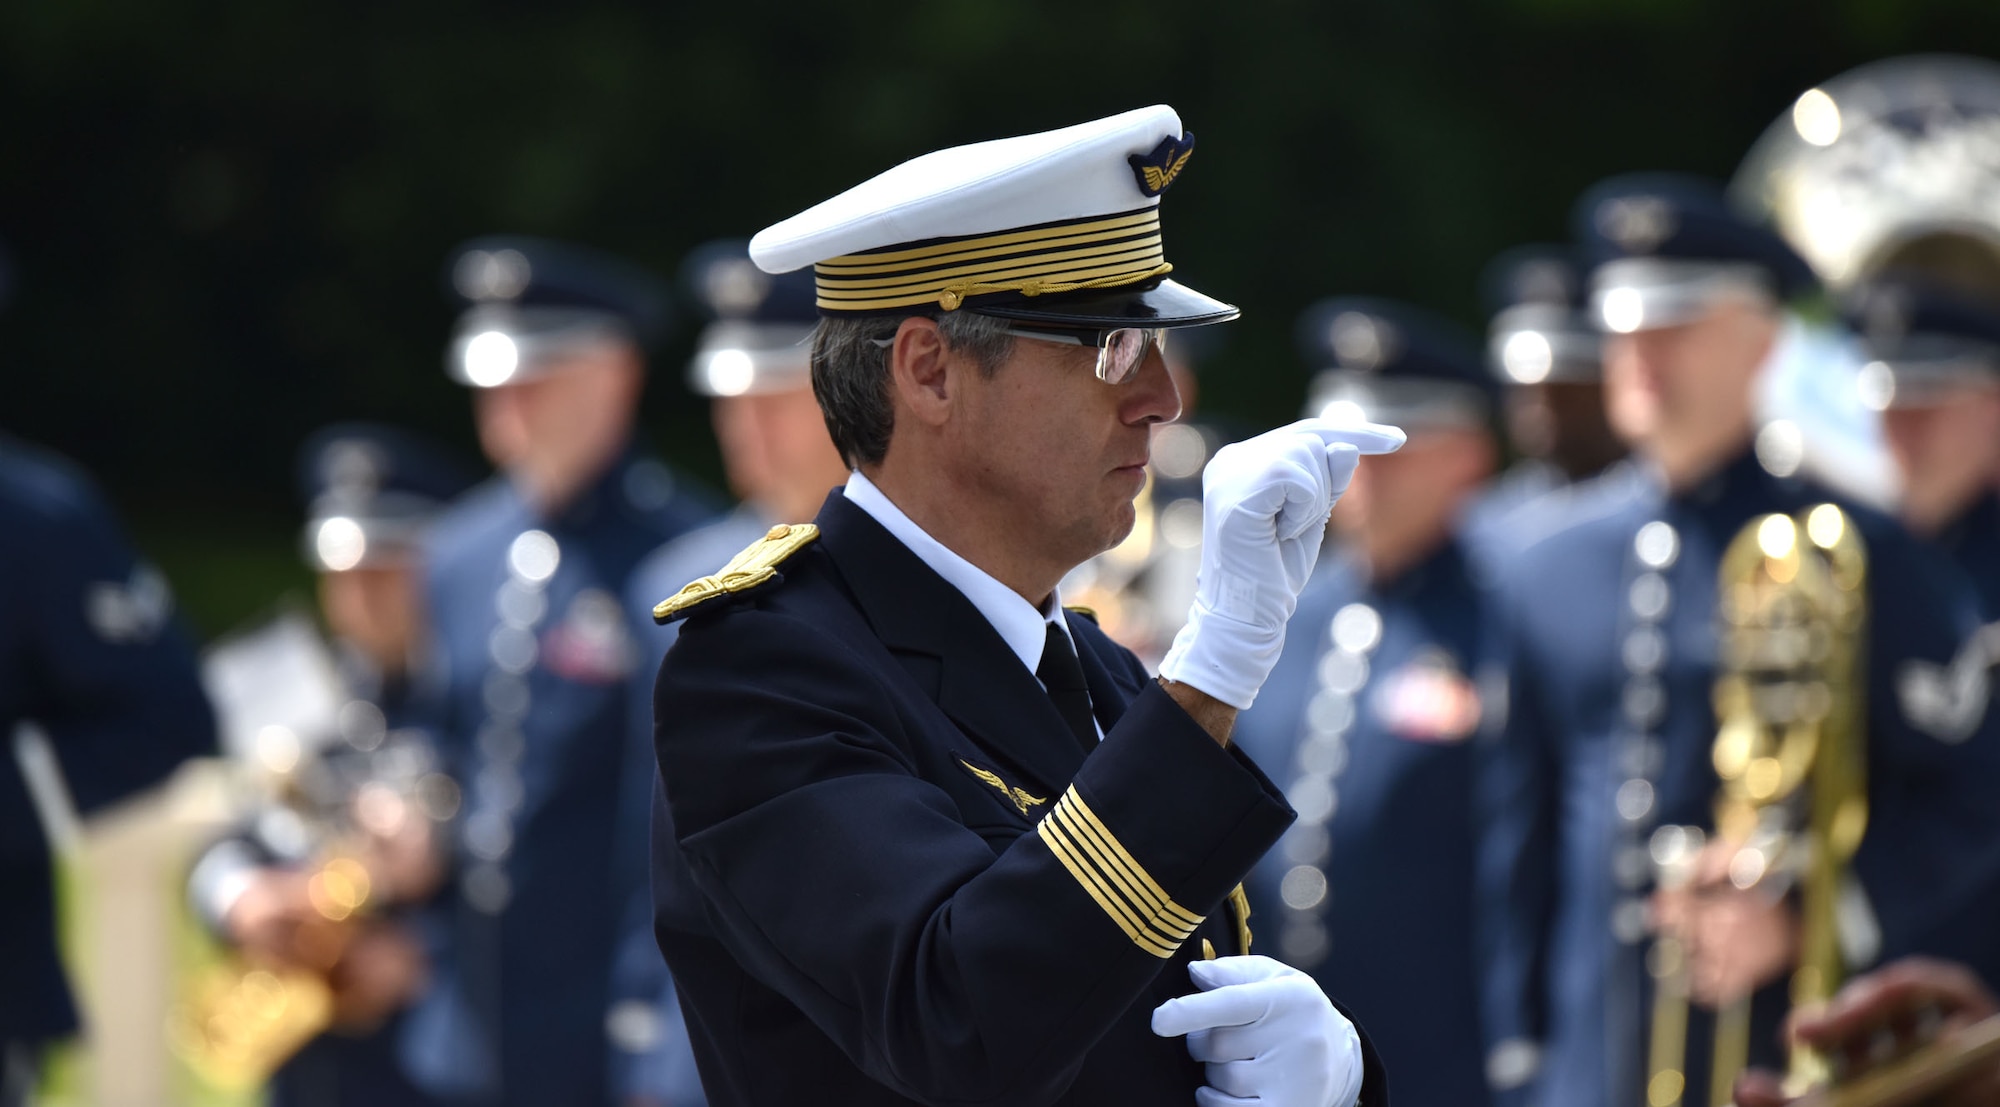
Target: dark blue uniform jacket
[
  {"x": 518, "y": 1005},
  {"x": 89, "y": 653},
  {"x": 1970, "y": 932},
  {"x": 1973, "y": 541},
  {"x": 887, "y": 873}
]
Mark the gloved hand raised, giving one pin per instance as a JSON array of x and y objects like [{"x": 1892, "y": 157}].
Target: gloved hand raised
[
  {"x": 1267, "y": 1035},
  {"x": 1265, "y": 503}
]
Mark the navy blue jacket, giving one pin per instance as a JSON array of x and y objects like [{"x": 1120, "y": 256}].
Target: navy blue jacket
[
  {"x": 91, "y": 655},
  {"x": 1607, "y": 733},
  {"x": 1366, "y": 722},
  {"x": 664, "y": 1070},
  {"x": 1973, "y": 542},
  {"x": 887, "y": 873},
  {"x": 1971, "y": 932},
  {"x": 539, "y": 649}
]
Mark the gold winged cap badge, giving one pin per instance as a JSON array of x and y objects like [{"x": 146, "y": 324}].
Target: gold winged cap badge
[
  {"x": 755, "y": 565},
  {"x": 1019, "y": 797},
  {"x": 1158, "y": 179}
]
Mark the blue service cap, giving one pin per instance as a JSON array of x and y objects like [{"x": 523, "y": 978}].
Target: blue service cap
[
  {"x": 1924, "y": 341},
  {"x": 1541, "y": 329},
  {"x": 1388, "y": 362},
  {"x": 371, "y": 490},
  {"x": 1662, "y": 247},
  {"x": 530, "y": 300},
  {"x": 759, "y": 335}
]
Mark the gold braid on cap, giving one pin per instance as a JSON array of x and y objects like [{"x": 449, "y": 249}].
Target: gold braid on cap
[{"x": 1107, "y": 251}]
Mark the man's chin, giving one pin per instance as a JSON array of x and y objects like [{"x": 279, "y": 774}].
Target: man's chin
[{"x": 1118, "y": 527}]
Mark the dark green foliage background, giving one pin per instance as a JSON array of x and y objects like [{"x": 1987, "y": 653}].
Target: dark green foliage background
[{"x": 228, "y": 216}]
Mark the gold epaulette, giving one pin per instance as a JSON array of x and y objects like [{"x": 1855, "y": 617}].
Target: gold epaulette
[
  {"x": 1078, "y": 609},
  {"x": 756, "y": 565}
]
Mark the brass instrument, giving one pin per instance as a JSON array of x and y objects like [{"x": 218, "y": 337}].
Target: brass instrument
[
  {"x": 287, "y": 718},
  {"x": 1790, "y": 754},
  {"x": 241, "y": 1019},
  {"x": 1929, "y": 1070},
  {"x": 1890, "y": 169},
  {"x": 1895, "y": 164}
]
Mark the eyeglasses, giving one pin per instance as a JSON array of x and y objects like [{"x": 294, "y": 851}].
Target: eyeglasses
[{"x": 1120, "y": 351}]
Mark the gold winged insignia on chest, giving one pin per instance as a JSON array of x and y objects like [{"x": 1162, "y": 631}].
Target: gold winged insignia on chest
[
  {"x": 757, "y": 564},
  {"x": 1019, "y": 797}
]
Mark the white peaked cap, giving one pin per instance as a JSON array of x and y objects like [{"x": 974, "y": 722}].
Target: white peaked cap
[
  {"x": 977, "y": 189},
  {"x": 1061, "y": 216}
]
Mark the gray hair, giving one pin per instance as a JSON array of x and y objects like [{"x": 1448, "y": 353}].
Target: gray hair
[{"x": 850, "y": 373}]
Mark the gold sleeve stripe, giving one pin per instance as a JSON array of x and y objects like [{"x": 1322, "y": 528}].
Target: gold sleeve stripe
[
  {"x": 1151, "y": 906},
  {"x": 1106, "y": 899},
  {"x": 1074, "y": 805},
  {"x": 1116, "y": 882}
]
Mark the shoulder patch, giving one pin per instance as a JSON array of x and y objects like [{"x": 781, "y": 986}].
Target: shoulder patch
[
  {"x": 1089, "y": 613},
  {"x": 755, "y": 566}
]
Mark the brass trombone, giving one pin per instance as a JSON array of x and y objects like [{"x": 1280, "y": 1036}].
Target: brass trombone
[{"x": 1789, "y": 753}]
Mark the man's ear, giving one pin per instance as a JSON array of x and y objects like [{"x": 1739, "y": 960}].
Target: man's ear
[{"x": 920, "y": 371}]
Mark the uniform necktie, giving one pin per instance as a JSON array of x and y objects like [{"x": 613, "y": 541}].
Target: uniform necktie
[{"x": 1063, "y": 677}]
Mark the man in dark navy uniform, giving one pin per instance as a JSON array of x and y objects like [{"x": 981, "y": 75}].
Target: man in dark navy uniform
[
  {"x": 94, "y": 670},
  {"x": 526, "y": 575},
  {"x": 1367, "y": 717},
  {"x": 1544, "y": 349},
  {"x": 1607, "y": 627},
  {"x": 754, "y": 362},
  {"x": 926, "y": 837},
  {"x": 1934, "y": 374},
  {"x": 367, "y": 791}
]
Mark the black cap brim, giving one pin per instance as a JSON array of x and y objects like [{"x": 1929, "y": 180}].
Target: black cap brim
[{"x": 1165, "y": 304}]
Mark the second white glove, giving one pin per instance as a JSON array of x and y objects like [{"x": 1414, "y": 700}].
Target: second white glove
[
  {"x": 1265, "y": 503},
  {"x": 1267, "y": 1035}
]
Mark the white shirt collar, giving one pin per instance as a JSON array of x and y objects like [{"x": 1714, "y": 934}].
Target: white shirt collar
[{"x": 1024, "y": 629}]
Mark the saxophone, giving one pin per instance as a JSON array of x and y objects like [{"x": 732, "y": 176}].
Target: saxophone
[
  {"x": 239, "y": 1020},
  {"x": 1790, "y": 756}
]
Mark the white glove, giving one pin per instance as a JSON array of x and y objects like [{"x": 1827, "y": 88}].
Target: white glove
[
  {"x": 1267, "y": 1034},
  {"x": 1264, "y": 506}
]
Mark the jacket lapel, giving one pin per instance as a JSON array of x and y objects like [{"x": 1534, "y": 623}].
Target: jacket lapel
[{"x": 951, "y": 650}]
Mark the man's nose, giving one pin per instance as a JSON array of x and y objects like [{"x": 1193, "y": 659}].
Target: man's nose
[{"x": 1152, "y": 397}]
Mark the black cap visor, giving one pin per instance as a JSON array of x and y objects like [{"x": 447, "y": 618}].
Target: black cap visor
[{"x": 1162, "y": 304}]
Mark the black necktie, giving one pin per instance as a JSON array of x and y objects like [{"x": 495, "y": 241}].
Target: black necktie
[{"x": 1063, "y": 677}]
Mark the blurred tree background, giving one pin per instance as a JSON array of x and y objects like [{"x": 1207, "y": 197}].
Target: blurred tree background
[{"x": 228, "y": 217}]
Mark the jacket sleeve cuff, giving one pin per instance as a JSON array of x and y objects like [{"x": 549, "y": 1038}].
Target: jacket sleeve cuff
[
  {"x": 218, "y": 880},
  {"x": 1162, "y": 822}
]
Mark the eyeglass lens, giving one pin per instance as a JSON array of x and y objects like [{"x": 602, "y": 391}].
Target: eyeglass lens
[{"x": 1123, "y": 350}]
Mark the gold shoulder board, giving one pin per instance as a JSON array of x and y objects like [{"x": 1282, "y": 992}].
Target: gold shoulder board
[
  {"x": 754, "y": 566},
  {"x": 1078, "y": 609}
]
